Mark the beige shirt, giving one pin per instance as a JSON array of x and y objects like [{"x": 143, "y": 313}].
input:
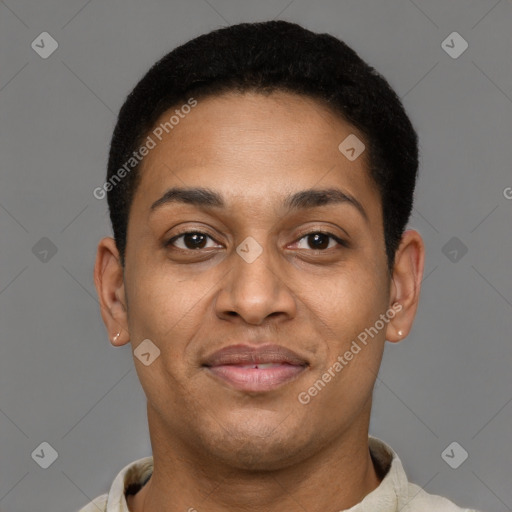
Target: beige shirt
[{"x": 394, "y": 493}]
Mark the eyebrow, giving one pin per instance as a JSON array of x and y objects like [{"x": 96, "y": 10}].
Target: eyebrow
[{"x": 304, "y": 199}]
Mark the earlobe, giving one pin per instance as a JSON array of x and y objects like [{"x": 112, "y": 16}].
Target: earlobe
[
  {"x": 406, "y": 284},
  {"x": 109, "y": 282}
]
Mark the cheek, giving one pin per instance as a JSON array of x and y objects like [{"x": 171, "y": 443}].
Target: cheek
[
  {"x": 345, "y": 308},
  {"x": 156, "y": 303},
  {"x": 165, "y": 312},
  {"x": 171, "y": 312},
  {"x": 346, "y": 304}
]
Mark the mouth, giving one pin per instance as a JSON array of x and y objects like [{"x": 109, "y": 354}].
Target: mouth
[{"x": 254, "y": 369}]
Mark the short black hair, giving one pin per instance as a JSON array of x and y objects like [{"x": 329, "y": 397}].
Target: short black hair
[{"x": 265, "y": 57}]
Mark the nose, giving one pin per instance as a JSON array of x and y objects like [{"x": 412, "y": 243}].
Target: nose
[{"x": 255, "y": 289}]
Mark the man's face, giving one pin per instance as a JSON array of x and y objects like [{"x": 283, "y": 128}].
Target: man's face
[{"x": 305, "y": 292}]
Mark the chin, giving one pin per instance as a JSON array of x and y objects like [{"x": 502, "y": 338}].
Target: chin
[{"x": 261, "y": 447}]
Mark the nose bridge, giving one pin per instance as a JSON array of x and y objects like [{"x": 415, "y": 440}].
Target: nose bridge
[
  {"x": 253, "y": 271},
  {"x": 254, "y": 289}
]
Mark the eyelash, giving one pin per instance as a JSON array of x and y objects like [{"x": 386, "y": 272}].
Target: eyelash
[{"x": 340, "y": 241}]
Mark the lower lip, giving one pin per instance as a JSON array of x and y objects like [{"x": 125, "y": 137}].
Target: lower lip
[{"x": 256, "y": 379}]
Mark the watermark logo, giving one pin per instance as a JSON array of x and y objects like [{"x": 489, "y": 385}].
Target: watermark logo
[
  {"x": 351, "y": 147},
  {"x": 454, "y": 45},
  {"x": 454, "y": 455},
  {"x": 45, "y": 455},
  {"x": 249, "y": 249},
  {"x": 44, "y": 45},
  {"x": 146, "y": 352},
  {"x": 454, "y": 249},
  {"x": 44, "y": 249}
]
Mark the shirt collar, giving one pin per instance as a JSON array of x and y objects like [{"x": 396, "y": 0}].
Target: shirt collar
[
  {"x": 135, "y": 474},
  {"x": 392, "y": 493}
]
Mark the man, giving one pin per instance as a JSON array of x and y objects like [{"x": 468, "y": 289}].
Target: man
[{"x": 259, "y": 183}]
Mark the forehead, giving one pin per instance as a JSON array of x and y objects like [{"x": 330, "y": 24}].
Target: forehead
[{"x": 256, "y": 147}]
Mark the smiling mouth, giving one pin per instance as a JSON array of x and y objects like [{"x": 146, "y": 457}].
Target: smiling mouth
[
  {"x": 255, "y": 368},
  {"x": 256, "y": 376}
]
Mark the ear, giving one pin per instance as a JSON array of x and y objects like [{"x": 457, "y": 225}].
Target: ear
[
  {"x": 406, "y": 283},
  {"x": 109, "y": 282}
]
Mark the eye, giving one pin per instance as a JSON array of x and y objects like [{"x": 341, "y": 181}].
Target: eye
[
  {"x": 315, "y": 240},
  {"x": 192, "y": 240},
  {"x": 321, "y": 240}
]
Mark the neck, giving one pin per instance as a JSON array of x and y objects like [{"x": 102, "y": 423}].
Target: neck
[{"x": 337, "y": 478}]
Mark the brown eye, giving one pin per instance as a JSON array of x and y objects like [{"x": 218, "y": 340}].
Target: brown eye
[
  {"x": 191, "y": 240},
  {"x": 319, "y": 241}
]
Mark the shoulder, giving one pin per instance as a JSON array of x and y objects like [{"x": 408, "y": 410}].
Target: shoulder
[
  {"x": 396, "y": 488},
  {"x": 421, "y": 501}
]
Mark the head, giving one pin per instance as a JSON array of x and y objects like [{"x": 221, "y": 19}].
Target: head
[{"x": 246, "y": 220}]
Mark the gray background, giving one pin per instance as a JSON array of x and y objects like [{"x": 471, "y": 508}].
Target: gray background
[{"x": 60, "y": 379}]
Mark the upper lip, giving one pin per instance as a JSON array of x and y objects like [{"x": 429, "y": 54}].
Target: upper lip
[{"x": 246, "y": 354}]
